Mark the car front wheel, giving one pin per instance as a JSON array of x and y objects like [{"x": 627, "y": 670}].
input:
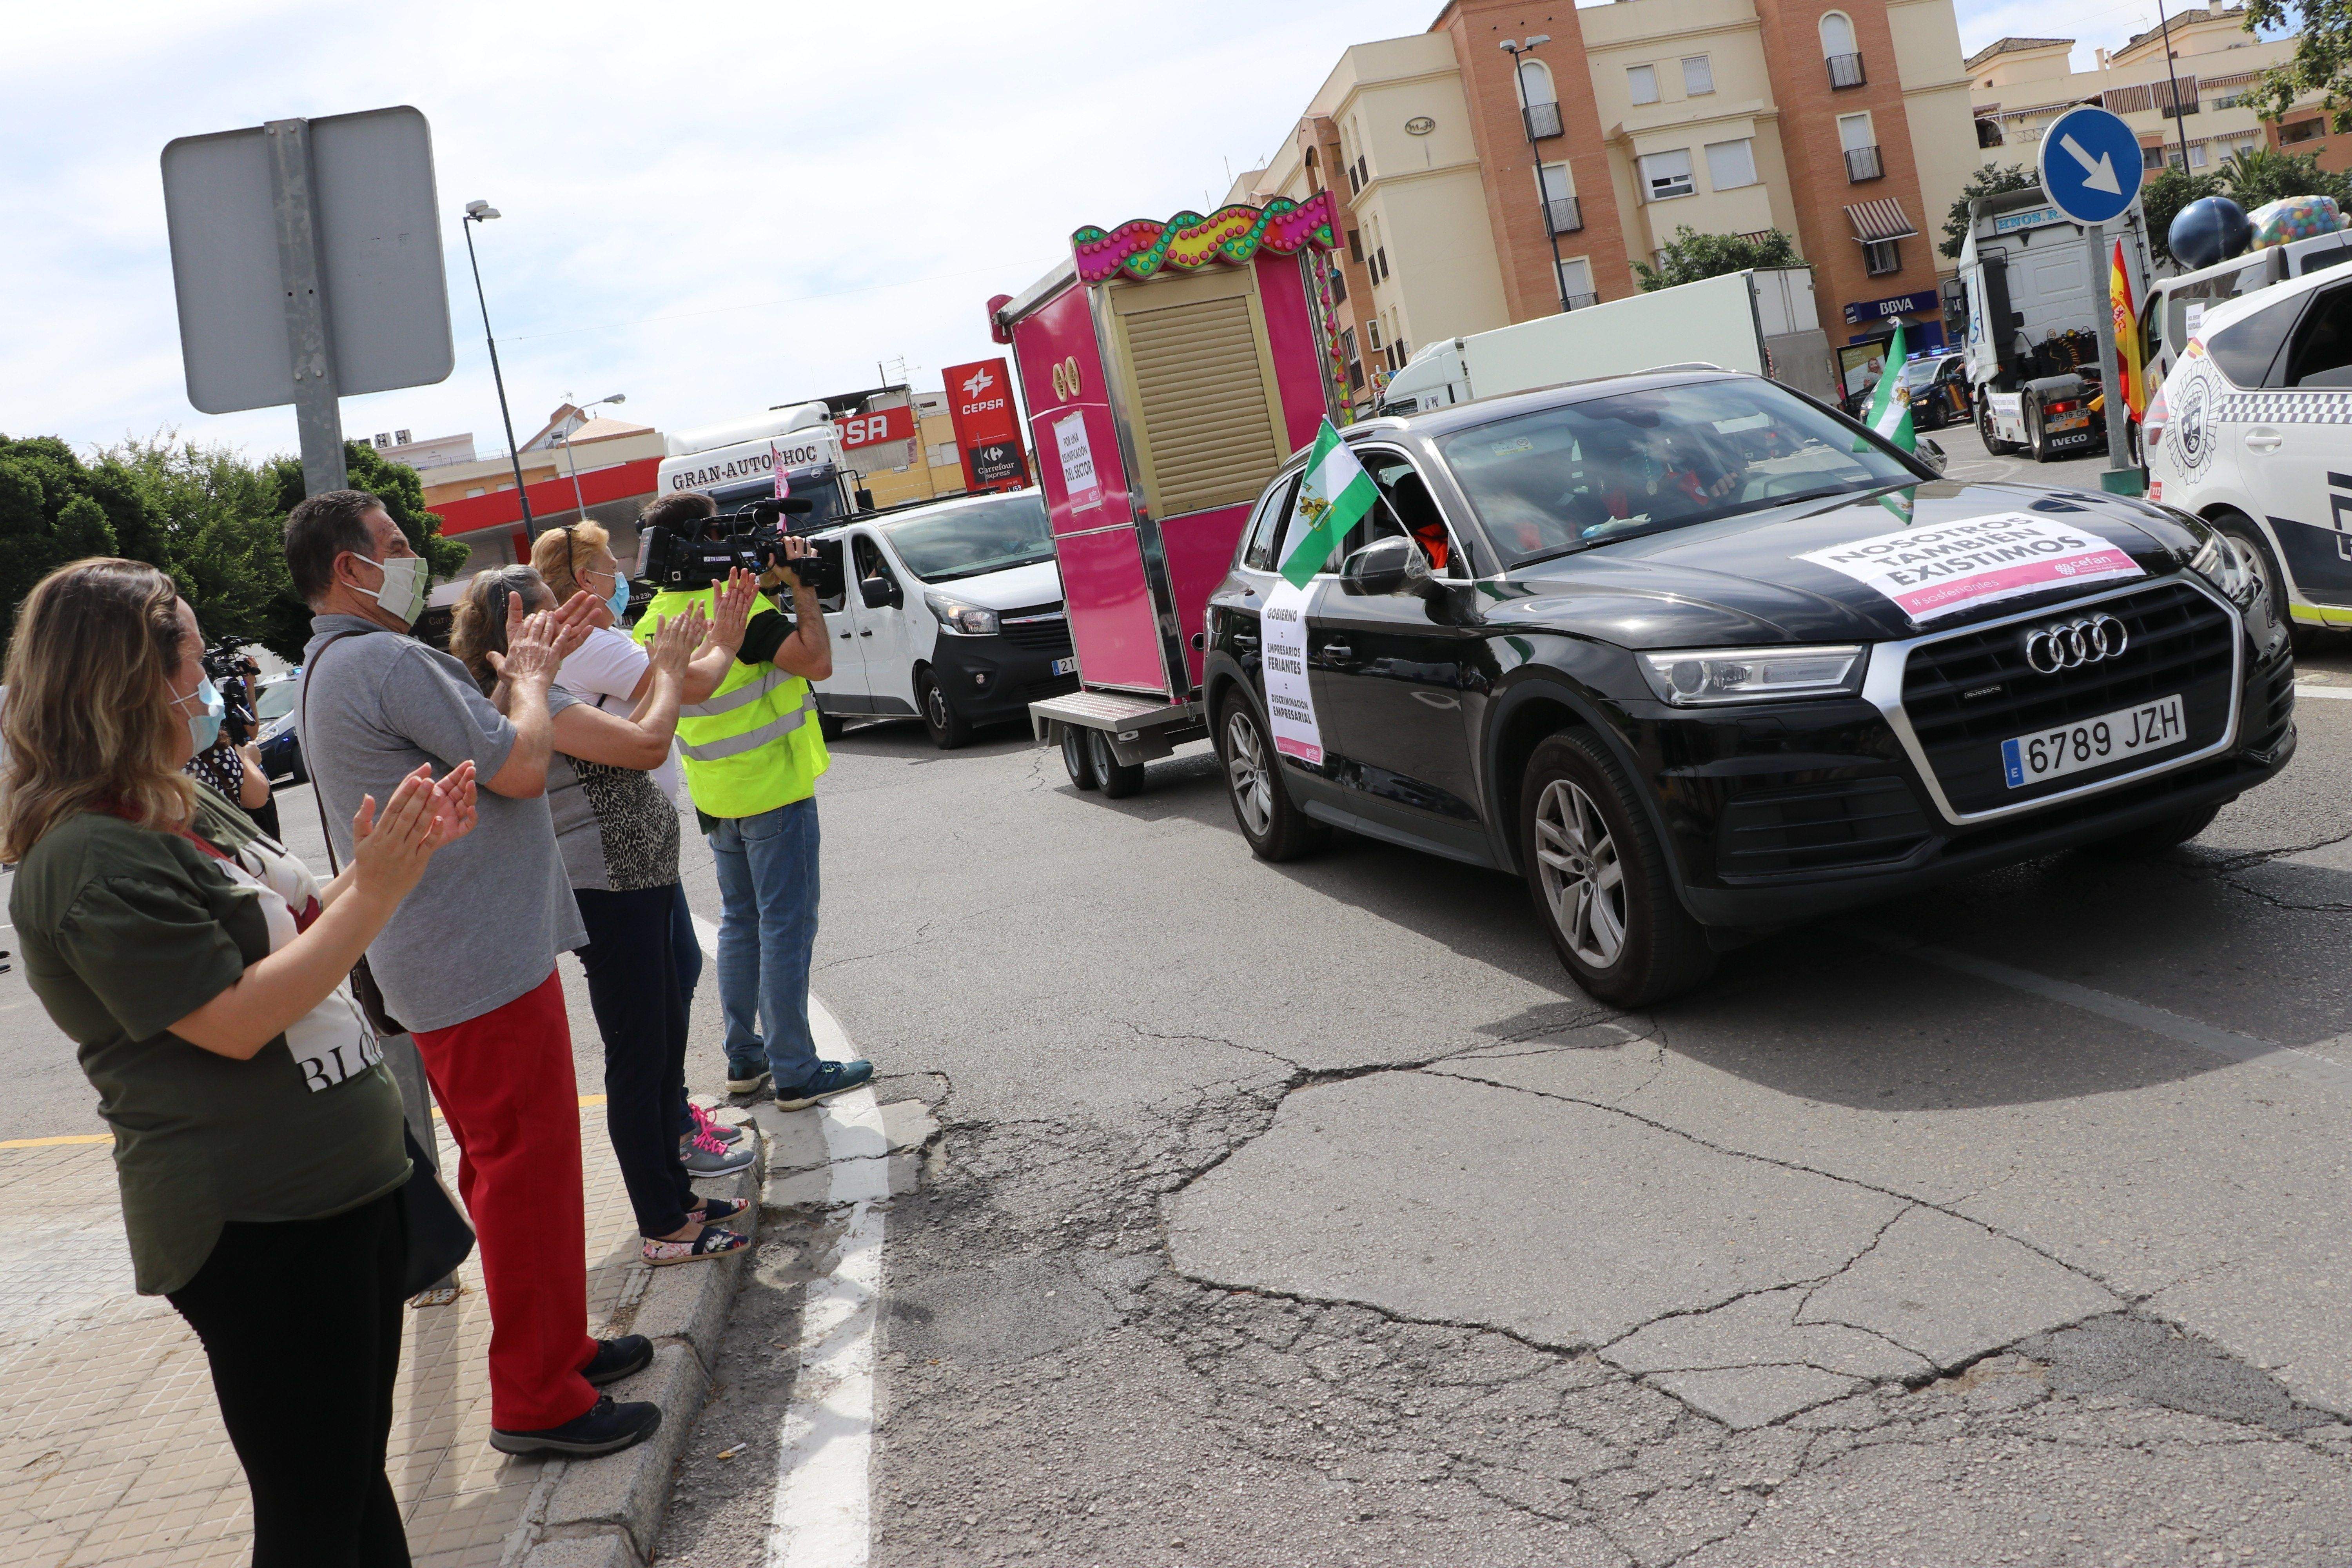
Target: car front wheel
[
  {"x": 1600, "y": 880},
  {"x": 1277, "y": 830}
]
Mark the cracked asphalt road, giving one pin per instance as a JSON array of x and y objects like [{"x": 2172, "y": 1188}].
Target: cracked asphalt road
[{"x": 1308, "y": 1215}]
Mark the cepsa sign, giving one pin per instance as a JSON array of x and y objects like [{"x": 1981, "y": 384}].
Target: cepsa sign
[
  {"x": 987, "y": 431},
  {"x": 882, "y": 425}
]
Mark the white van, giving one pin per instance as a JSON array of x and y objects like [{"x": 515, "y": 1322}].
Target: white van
[{"x": 951, "y": 612}]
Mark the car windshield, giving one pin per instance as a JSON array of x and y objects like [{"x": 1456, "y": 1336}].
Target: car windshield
[
  {"x": 274, "y": 700},
  {"x": 967, "y": 540},
  {"x": 1606, "y": 469},
  {"x": 1919, "y": 373}
]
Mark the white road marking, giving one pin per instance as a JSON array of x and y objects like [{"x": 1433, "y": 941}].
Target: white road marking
[
  {"x": 824, "y": 1448},
  {"x": 2313, "y": 689},
  {"x": 2307, "y": 1064}
]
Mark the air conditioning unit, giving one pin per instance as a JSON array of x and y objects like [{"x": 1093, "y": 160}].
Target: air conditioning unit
[{"x": 400, "y": 437}]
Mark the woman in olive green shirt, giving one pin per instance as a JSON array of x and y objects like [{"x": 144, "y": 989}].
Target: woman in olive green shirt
[{"x": 201, "y": 972}]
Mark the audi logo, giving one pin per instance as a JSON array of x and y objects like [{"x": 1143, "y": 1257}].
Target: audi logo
[{"x": 2073, "y": 644}]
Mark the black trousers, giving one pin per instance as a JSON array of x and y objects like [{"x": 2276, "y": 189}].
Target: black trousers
[
  {"x": 641, "y": 1013},
  {"x": 301, "y": 1322}
]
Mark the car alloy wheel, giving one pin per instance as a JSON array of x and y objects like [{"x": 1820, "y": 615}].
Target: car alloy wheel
[
  {"x": 1246, "y": 769},
  {"x": 1583, "y": 884}
]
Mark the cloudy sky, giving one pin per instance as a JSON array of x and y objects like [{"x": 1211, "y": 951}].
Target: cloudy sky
[{"x": 712, "y": 207}]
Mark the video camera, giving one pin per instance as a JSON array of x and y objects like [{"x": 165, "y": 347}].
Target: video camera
[{"x": 750, "y": 538}]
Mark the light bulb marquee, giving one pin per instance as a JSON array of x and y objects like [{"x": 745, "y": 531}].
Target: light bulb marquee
[{"x": 1141, "y": 248}]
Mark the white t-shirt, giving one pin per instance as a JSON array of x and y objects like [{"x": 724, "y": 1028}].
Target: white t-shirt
[{"x": 603, "y": 671}]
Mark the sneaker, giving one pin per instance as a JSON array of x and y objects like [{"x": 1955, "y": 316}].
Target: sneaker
[
  {"x": 829, "y": 1079},
  {"x": 606, "y": 1429},
  {"x": 745, "y": 1080},
  {"x": 709, "y": 1126},
  {"x": 708, "y": 1157},
  {"x": 617, "y": 1358}
]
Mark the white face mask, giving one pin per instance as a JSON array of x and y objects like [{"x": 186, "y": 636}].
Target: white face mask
[{"x": 402, "y": 593}]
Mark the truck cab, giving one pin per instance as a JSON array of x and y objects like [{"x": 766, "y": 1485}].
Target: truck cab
[{"x": 735, "y": 463}]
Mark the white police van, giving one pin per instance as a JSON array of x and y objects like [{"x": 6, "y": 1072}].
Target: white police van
[{"x": 2252, "y": 432}]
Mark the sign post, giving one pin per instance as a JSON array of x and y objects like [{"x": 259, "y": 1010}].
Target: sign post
[
  {"x": 306, "y": 257},
  {"x": 2091, "y": 165}
]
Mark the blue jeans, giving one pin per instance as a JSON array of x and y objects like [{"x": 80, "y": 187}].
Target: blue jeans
[{"x": 767, "y": 929}]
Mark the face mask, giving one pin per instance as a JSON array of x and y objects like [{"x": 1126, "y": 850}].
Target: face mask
[
  {"x": 402, "y": 593},
  {"x": 204, "y": 726},
  {"x": 618, "y": 603}
]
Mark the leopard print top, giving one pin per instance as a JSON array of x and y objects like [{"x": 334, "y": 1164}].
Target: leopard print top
[{"x": 636, "y": 823}]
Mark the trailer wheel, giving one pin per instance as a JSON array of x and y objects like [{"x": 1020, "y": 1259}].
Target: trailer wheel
[
  {"x": 1078, "y": 757},
  {"x": 1277, "y": 830},
  {"x": 949, "y": 727},
  {"x": 1119, "y": 779}
]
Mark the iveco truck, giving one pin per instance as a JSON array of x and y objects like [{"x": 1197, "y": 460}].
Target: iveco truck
[{"x": 735, "y": 463}]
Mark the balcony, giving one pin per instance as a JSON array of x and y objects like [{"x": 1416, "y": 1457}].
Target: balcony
[
  {"x": 1862, "y": 163},
  {"x": 1579, "y": 301},
  {"x": 1542, "y": 120},
  {"x": 1566, "y": 217},
  {"x": 1845, "y": 70}
]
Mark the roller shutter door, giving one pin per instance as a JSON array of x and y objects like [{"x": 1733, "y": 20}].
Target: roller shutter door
[{"x": 1200, "y": 390}]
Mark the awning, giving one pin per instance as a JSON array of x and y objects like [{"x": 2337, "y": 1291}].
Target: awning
[{"x": 1878, "y": 220}]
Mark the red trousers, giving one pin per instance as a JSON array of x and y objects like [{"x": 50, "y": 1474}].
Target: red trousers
[{"x": 505, "y": 1084}]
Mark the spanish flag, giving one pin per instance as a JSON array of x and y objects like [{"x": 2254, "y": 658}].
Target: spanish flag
[{"x": 2131, "y": 379}]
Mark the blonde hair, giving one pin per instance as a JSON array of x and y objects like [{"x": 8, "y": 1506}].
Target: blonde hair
[
  {"x": 479, "y": 626},
  {"x": 558, "y": 555},
  {"x": 88, "y": 724}
]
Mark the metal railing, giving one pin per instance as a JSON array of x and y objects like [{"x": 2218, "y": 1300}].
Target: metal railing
[
  {"x": 1845, "y": 70},
  {"x": 1578, "y": 302},
  {"x": 1567, "y": 218},
  {"x": 1542, "y": 120},
  {"x": 1862, "y": 163}
]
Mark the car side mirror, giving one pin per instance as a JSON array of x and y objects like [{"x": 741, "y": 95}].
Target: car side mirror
[
  {"x": 1931, "y": 454},
  {"x": 1390, "y": 565},
  {"x": 879, "y": 593}
]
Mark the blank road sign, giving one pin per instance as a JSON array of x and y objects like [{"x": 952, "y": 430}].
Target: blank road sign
[{"x": 378, "y": 223}]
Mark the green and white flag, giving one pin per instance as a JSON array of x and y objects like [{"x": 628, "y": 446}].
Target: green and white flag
[
  {"x": 1890, "y": 406},
  {"x": 1335, "y": 493}
]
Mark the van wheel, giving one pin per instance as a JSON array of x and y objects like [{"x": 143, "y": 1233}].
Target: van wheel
[
  {"x": 1078, "y": 758},
  {"x": 949, "y": 727},
  {"x": 1119, "y": 779},
  {"x": 1598, "y": 877},
  {"x": 1277, "y": 830}
]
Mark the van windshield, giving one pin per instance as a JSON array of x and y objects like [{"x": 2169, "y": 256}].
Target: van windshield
[{"x": 967, "y": 540}]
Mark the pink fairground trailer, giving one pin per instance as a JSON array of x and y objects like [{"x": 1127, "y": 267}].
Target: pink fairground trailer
[{"x": 1168, "y": 369}]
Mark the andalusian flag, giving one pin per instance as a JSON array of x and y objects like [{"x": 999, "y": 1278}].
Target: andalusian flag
[
  {"x": 2132, "y": 379},
  {"x": 1334, "y": 495},
  {"x": 1890, "y": 406}
]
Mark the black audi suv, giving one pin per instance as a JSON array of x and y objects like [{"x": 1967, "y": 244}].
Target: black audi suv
[{"x": 1699, "y": 658}]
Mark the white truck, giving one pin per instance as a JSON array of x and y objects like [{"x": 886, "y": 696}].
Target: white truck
[
  {"x": 2032, "y": 335},
  {"x": 735, "y": 464},
  {"x": 1762, "y": 320}
]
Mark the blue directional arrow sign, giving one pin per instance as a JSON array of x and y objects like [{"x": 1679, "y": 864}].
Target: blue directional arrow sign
[{"x": 2090, "y": 164}]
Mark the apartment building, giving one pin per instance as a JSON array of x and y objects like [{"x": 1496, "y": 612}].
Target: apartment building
[
  {"x": 1485, "y": 186},
  {"x": 2178, "y": 85}
]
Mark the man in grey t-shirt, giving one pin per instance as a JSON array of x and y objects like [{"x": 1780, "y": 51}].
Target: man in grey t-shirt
[{"x": 468, "y": 962}]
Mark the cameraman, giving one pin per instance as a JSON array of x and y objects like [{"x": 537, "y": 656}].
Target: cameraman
[
  {"x": 753, "y": 754},
  {"x": 231, "y": 764}
]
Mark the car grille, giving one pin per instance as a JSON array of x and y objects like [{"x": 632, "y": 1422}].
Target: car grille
[
  {"x": 1818, "y": 828},
  {"x": 1967, "y": 693},
  {"x": 1044, "y": 635}
]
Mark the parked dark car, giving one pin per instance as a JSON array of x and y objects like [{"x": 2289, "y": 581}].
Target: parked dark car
[
  {"x": 1691, "y": 695},
  {"x": 1938, "y": 388}
]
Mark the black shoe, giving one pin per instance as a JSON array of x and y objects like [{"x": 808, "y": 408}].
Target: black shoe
[
  {"x": 617, "y": 1358},
  {"x": 606, "y": 1429}
]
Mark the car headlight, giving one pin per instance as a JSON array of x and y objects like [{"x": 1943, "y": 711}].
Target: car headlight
[
  {"x": 1700, "y": 678},
  {"x": 2222, "y": 562},
  {"x": 966, "y": 620}
]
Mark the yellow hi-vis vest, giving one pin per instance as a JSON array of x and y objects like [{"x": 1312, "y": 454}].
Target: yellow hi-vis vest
[{"x": 753, "y": 744}]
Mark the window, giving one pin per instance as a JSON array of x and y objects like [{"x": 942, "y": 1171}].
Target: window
[
  {"x": 1730, "y": 164},
  {"x": 1372, "y": 334},
  {"x": 2320, "y": 354},
  {"x": 1339, "y": 276},
  {"x": 1538, "y": 104},
  {"x": 1405, "y": 507},
  {"x": 2301, "y": 130},
  {"x": 1559, "y": 200},
  {"x": 1861, "y": 146},
  {"x": 2151, "y": 157},
  {"x": 1257, "y": 554},
  {"x": 1576, "y": 283},
  {"x": 1641, "y": 83},
  {"x": 1667, "y": 175},
  {"x": 2245, "y": 350},
  {"x": 2197, "y": 154},
  {"x": 1839, "y": 49},
  {"x": 1356, "y": 246},
  {"x": 1881, "y": 257},
  {"x": 1698, "y": 76},
  {"x": 1348, "y": 342}
]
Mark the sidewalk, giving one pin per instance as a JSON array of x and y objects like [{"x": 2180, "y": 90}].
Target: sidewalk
[{"x": 111, "y": 1450}]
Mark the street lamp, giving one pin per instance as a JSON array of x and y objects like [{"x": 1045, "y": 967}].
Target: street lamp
[
  {"x": 578, "y": 500},
  {"x": 1513, "y": 47},
  {"x": 482, "y": 212}
]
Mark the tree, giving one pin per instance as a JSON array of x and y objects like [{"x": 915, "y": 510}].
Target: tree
[
  {"x": 2255, "y": 175},
  {"x": 212, "y": 523},
  {"x": 403, "y": 499},
  {"x": 2162, "y": 197},
  {"x": 1987, "y": 181},
  {"x": 2321, "y": 63},
  {"x": 53, "y": 510},
  {"x": 1691, "y": 256}
]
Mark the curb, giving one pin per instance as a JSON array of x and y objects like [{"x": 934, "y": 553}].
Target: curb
[{"x": 607, "y": 1512}]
